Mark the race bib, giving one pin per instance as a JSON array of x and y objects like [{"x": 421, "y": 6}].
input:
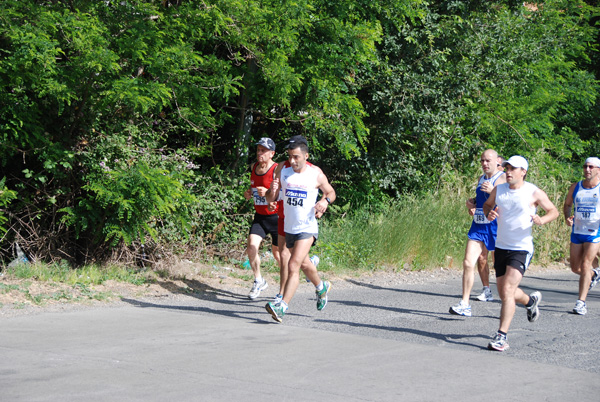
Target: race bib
[
  {"x": 258, "y": 200},
  {"x": 586, "y": 221},
  {"x": 479, "y": 217},
  {"x": 296, "y": 198}
]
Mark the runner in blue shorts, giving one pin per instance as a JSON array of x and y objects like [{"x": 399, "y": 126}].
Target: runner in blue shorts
[
  {"x": 482, "y": 235},
  {"x": 584, "y": 219}
]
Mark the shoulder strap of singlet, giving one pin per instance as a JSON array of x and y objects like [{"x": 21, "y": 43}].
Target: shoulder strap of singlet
[
  {"x": 496, "y": 176},
  {"x": 273, "y": 168},
  {"x": 576, "y": 189}
]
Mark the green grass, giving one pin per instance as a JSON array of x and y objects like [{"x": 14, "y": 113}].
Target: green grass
[
  {"x": 87, "y": 275},
  {"x": 76, "y": 282},
  {"x": 428, "y": 231},
  {"x": 413, "y": 233}
]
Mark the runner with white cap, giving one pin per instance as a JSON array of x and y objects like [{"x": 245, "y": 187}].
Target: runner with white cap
[
  {"x": 514, "y": 204},
  {"x": 584, "y": 219}
]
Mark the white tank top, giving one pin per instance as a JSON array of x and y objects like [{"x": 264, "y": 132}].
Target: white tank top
[
  {"x": 587, "y": 215},
  {"x": 299, "y": 198},
  {"x": 515, "y": 208}
]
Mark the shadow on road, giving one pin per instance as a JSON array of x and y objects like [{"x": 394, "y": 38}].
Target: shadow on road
[{"x": 449, "y": 338}]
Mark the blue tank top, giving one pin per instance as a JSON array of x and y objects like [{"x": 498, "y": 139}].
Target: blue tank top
[
  {"x": 481, "y": 197},
  {"x": 587, "y": 211}
]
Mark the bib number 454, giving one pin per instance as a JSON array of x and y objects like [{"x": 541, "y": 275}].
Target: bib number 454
[{"x": 295, "y": 202}]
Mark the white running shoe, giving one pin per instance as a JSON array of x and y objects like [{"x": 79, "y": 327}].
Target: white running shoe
[
  {"x": 277, "y": 299},
  {"x": 486, "y": 295},
  {"x": 533, "y": 312},
  {"x": 461, "y": 309},
  {"x": 257, "y": 287},
  {"x": 499, "y": 343},
  {"x": 595, "y": 277},
  {"x": 580, "y": 308}
]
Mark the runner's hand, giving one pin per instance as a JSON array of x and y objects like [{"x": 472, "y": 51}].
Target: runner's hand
[
  {"x": 275, "y": 186},
  {"x": 261, "y": 191},
  {"x": 487, "y": 187},
  {"x": 537, "y": 220},
  {"x": 321, "y": 206},
  {"x": 569, "y": 220},
  {"x": 493, "y": 214}
]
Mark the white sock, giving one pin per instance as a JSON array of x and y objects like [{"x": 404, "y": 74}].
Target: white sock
[
  {"x": 284, "y": 305},
  {"x": 258, "y": 279},
  {"x": 320, "y": 286}
]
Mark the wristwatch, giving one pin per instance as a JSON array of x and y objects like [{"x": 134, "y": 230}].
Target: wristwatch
[{"x": 328, "y": 200}]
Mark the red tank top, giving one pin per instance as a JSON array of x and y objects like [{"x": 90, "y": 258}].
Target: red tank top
[{"x": 260, "y": 203}]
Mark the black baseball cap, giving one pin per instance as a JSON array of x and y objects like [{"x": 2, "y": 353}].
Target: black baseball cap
[{"x": 297, "y": 139}]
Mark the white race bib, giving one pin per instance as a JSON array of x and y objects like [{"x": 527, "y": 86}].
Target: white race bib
[
  {"x": 258, "y": 200},
  {"x": 479, "y": 217}
]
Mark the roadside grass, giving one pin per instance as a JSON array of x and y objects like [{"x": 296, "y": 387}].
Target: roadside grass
[
  {"x": 65, "y": 284},
  {"x": 413, "y": 233},
  {"x": 426, "y": 231},
  {"x": 87, "y": 275}
]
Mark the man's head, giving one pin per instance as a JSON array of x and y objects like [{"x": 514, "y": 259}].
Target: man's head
[
  {"x": 501, "y": 161},
  {"x": 297, "y": 141},
  {"x": 265, "y": 150},
  {"x": 516, "y": 169},
  {"x": 489, "y": 162},
  {"x": 297, "y": 152},
  {"x": 591, "y": 167}
]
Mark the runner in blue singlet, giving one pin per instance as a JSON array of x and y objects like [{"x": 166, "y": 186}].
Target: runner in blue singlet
[
  {"x": 585, "y": 221},
  {"x": 482, "y": 235}
]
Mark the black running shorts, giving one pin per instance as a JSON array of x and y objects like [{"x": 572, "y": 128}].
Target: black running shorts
[
  {"x": 518, "y": 259},
  {"x": 265, "y": 224}
]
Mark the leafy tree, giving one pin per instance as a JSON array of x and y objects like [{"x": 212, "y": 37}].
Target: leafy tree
[{"x": 471, "y": 75}]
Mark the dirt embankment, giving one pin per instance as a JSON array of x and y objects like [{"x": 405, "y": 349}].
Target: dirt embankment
[{"x": 185, "y": 279}]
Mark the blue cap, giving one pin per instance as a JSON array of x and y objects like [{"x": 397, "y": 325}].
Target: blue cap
[{"x": 267, "y": 143}]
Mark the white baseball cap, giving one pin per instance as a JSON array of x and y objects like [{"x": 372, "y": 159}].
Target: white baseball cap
[{"x": 517, "y": 162}]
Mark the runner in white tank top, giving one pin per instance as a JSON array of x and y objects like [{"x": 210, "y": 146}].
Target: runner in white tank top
[
  {"x": 515, "y": 222},
  {"x": 299, "y": 195},
  {"x": 301, "y": 184},
  {"x": 514, "y": 205}
]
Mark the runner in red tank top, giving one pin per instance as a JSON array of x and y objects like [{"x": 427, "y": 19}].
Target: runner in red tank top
[{"x": 265, "y": 221}]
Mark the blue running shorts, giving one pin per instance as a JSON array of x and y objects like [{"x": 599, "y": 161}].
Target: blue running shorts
[
  {"x": 580, "y": 239},
  {"x": 484, "y": 234}
]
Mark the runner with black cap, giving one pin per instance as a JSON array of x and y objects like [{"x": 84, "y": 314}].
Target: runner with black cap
[{"x": 265, "y": 220}]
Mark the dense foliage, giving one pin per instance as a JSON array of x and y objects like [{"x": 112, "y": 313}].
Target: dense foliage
[{"x": 125, "y": 123}]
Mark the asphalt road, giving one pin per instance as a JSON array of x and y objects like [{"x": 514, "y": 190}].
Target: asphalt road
[{"x": 376, "y": 340}]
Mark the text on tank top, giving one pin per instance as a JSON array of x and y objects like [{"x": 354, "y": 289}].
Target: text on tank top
[
  {"x": 264, "y": 180},
  {"x": 587, "y": 217},
  {"x": 299, "y": 198},
  {"x": 481, "y": 197}
]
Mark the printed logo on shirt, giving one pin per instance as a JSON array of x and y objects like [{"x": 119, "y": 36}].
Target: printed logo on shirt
[
  {"x": 296, "y": 193},
  {"x": 586, "y": 209}
]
